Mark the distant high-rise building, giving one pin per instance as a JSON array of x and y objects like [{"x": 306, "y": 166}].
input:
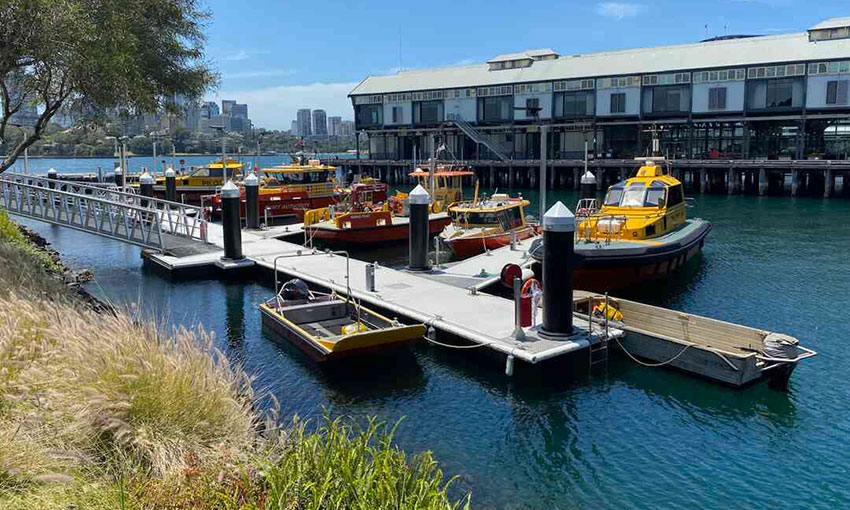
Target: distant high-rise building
[
  {"x": 209, "y": 109},
  {"x": 320, "y": 123},
  {"x": 346, "y": 128},
  {"x": 304, "y": 128},
  {"x": 239, "y": 110},
  {"x": 293, "y": 130},
  {"x": 334, "y": 125},
  {"x": 226, "y": 106}
]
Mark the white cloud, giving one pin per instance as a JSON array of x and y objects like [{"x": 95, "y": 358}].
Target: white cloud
[
  {"x": 264, "y": 73},
  {"x": 275, "y": 107},
  {"x": 241, "y": 55},
  {"x": 618, "y": 10}
]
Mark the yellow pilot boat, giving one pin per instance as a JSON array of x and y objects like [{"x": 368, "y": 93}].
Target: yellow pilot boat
[
  {"x": 200, "y": 181},
  {"x": 328, "y": 326},
  {"x": 640, "y": 232}
]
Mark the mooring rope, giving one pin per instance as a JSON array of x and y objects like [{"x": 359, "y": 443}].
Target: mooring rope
[
  {"x": 674, "y": 358},
  {"x": 449, "y": 346}
]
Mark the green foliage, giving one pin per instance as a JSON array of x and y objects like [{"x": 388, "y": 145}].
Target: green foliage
[
  {"x": 87, "y": 56},
  {"x": 102, "y": 411},
  {"x": 20, "y": 249}
]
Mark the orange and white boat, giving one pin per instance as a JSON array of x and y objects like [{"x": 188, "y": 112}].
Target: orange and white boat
[
  {"x": 481, "y": 225},
  {"x": 389, "y": 221}
]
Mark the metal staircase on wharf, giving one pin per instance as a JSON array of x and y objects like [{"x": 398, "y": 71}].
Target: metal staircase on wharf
[{"x": 499, "y": 150}]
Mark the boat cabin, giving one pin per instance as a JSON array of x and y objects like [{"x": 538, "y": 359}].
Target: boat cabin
[
  {"x": 647, "y": 205},
  {"x": 312, "y": 173},
  {"x": 498, "y": 211},
  {"x": 448, "y": 183},
  {"x": 209, "y": 175}
]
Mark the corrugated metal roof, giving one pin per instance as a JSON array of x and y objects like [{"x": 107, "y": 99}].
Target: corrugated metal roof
[
  {"x": 832, "y": 23},
  {"x": 705, "y": 55}
]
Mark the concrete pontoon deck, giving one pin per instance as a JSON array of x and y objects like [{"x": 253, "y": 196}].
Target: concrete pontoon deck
[{"x": 473, "y": 317}]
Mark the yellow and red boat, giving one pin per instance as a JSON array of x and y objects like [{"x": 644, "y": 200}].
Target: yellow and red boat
[
  {"x": 389, "y": 221},
  {"x": 482, "y": 225},
  {"x": 640, "y": 232},
  {"x": 288, "y": 191},
  {"x": 198, "y": 182}
]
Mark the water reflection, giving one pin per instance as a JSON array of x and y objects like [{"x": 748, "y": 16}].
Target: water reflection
[
  {"x": 710, "y": 404},
  {"x": 379, "y": 376},
  {"x": 234, "y": 323}
]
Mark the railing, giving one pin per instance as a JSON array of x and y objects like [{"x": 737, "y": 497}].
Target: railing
[
  {"x": 496, "y": 148},
  {"x": 102, "y": 210}
]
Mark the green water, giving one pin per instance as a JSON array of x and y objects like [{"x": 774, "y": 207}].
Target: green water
[{"x": 628, "y": 437}]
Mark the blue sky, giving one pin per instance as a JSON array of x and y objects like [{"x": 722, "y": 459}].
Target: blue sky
[{"x": 279, "y": 56}]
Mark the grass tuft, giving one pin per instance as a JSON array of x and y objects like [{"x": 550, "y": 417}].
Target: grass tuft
[{"x": 105, "y": 411}]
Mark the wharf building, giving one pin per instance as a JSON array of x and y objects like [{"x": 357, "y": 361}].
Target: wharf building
[{"x": 741, "y": 113}]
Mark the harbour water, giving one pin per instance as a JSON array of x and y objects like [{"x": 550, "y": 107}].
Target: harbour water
[{"x": 627, "y": 437}]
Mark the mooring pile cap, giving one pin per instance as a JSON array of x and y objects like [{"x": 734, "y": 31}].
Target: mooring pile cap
[
  {"x": 229, "y": 190},
  {"x": 419, "y": 196},
  {"x": 170, "y": 172},
  {"x": 559, "y": 219},
  {"x": 118, "y": 170},
  {"x": 145, "y": 178},
  {"x": 251, "y": 180},
  {"x": 52, "y": 171},
  {"x": 588, "y": 178}
]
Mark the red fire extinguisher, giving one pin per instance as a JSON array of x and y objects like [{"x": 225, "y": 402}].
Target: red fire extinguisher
[{"x": 527, "y": 301}]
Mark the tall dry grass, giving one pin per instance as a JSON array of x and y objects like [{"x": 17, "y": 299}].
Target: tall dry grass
[{"x": 106, "y": 411}]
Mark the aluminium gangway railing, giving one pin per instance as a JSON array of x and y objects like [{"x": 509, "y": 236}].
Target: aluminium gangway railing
[{"x": 102, "y": 210}]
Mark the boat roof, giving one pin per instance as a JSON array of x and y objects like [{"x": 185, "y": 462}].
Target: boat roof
[
  {"x": 490, "y": 205},
  {"x": 298, "y": 169},
  {"x": 441, "y": 173},
  {"x": 649, "y": 174},
  {"x": 231, "y": 163}
]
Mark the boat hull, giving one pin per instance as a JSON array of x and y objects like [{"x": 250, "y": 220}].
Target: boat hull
[
  {"x": 602, "y": 268},
  {"x": 465, "y": 247},
  {"x": 402, "y": 340},
  {"x": 374, "y": 234}
]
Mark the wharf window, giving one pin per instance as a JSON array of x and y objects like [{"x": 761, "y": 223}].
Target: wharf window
[
  {"x": 618, "y": 102},
  {"x": 836, "y": 92},
  {"x": 370, "y": 115},
  {"x": 717, "y": 98},
  {"x": 398, "y": 115},
  {"x": 667, "y": 99},
  {"x": 574, "y": 104},
  {"x": 780, "y": 93},
  {"x": 427, "y": 112},
  {"x": 494, "y": 109}
]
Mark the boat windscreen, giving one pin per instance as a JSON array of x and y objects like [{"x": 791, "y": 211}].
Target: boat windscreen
[
  {"x": 654, "y": 197},
  {"x": 480, "y": 218},
  {"x": 614, "y": 195},
  {"x": 633, "y": 197}
]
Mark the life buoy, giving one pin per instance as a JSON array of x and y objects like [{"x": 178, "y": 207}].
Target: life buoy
[{"x": 529, "y": 285}]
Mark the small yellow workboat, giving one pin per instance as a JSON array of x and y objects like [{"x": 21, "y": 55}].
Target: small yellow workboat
[{"x": 329, "y": 326}]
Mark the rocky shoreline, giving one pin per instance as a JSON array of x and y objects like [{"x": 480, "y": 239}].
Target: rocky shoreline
[{"x": 74, "y": 280}]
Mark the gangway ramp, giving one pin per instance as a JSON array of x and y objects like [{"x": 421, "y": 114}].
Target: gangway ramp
[{"x": 151, "y": 223}]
